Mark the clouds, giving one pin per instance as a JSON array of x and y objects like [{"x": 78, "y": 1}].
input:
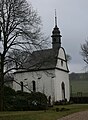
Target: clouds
[{"x": 72, "y": 21}]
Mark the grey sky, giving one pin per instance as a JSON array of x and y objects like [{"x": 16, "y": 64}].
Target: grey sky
[{"x": 72, "y": 21}]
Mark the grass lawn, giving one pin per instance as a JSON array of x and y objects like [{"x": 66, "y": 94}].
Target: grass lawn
[{"x": 50, "y": 114}]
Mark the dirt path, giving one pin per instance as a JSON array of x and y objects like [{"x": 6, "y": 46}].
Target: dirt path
[{"x": 76, "y": 116}]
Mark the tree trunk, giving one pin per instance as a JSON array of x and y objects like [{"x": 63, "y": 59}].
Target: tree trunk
[
  {"x": 2, "y": 84},
  {"x": 1, "y": 97}
]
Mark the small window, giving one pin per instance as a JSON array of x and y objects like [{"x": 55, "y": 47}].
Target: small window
[
  {"x": 34, "y": 86},
  {"x": 21, "y": 86},
  {"x": 61, "y": 62}
]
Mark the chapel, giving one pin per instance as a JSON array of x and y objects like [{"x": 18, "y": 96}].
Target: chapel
[{"x": 46, "y": 71}]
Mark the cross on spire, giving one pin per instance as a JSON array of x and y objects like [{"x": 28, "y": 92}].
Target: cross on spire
[{"x": 55, "y": 19}]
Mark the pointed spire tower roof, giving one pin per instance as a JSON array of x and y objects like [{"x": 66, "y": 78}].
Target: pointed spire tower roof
[
  {"x": 56, "y": 37},
  {"x": 55, "y": 19}
]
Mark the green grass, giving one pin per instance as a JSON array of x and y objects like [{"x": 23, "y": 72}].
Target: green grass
[{"x": 50, "y": 114}]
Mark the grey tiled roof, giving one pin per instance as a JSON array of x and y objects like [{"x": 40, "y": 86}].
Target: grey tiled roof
[{"x": 42, "y": 59}]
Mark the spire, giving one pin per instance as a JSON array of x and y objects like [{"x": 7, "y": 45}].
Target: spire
[
  {"x": 56, "y": 37},
  {"x": 55, "y": 19}
]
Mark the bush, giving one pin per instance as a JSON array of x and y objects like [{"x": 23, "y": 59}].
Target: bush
[
  {"x": 20, "y": 103},
  {"x": 37, "y": 101},
  {"x": 61, "y": 102},
  {"x": 24, "y": 101},
  {"x": 9, "y": 91},
  {"x": 82, "y": 100},
  {"x": 9, "y": 95}
]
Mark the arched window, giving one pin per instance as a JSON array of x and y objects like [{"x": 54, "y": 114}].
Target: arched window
[
  {"x": 34, "y": 86},
  {"x": 49, "y": 100},
  {"x": 61, "y": 62},
  {"x": 63, "y": 90},
  {"x": 21, "y": 84}
]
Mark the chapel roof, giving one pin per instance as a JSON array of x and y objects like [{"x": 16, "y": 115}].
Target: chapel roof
[
  {"x": 45, "y": 59},
  {"x": 41, "y": 59}
]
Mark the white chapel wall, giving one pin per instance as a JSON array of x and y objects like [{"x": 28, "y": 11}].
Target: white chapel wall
[
  {"x": 61, "y": 62},
  {"x": 44, "y": 81},
  {"x": 61, "y": 76},
  {"x": 62, "y": 53}
]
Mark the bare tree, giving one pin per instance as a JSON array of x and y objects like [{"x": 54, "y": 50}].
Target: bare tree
[
  {"x": 20, "y": 29},
  {"x": 68, "y": 58},
  {"x": 84, "y": 51}
]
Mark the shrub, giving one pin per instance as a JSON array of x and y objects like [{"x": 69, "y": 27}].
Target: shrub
[
  {"x": 24, "y": 101},
  {"x": 9, "y": 91},
  {"x": 20, "y": 103},
  {"x": 37, "y": 101},
  {"x": 61, "y": 102},
  {"x": 82, "y": 100},
  {"x": 9, "y": 95}
]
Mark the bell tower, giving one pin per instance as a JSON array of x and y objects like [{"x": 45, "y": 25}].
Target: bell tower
[{"x": 56, "y": 37}]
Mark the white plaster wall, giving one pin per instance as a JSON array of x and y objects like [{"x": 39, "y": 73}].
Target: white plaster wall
[
  {"x": 48, "y": 82},
  {"x": 61, "y": 76},
  {"x": 61, "y": 53},
  {"x": 64, "y": 67},
  {"x": 61, "y": 57},
  {"x": 44, "y": 81}
]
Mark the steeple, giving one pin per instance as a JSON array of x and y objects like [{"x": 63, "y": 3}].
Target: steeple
[
  {"x": 56, "y": 37},
  {"x": 55, "y": 19}
]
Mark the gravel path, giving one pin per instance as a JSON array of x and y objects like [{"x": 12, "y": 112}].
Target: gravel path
[{"x": 76, "y": 116}]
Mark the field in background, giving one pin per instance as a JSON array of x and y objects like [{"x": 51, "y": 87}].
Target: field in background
[
  {"x": 79, "y": 84},
  {"x": 52, "y": 114},
  {"x": 79, "y": 88}
]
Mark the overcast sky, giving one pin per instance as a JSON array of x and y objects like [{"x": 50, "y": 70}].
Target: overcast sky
[{"x": 72, "y": 18}]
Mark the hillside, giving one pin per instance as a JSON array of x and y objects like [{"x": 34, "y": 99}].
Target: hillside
[{"x": 79, "y": 84}]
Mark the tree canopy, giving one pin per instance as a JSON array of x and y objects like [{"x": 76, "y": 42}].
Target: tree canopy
[
  {"x": 84, "y": 51},
  {"x": 20, "y": 29}
]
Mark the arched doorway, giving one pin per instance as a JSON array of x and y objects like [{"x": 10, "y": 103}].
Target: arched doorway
[{"x": 63, "y": 90}]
